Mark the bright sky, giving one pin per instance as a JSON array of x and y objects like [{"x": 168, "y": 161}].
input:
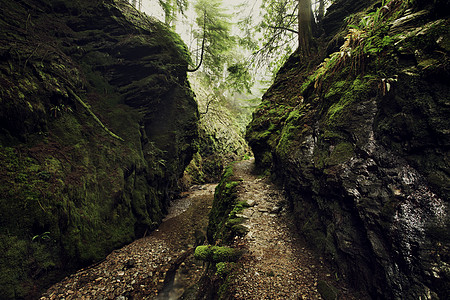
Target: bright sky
[
  {"x": 250, "y": 7},
  {"x": 152, "y": 8}
]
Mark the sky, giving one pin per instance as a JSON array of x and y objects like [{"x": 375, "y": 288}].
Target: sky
[
  {"x": 250, "y": 7},
  {"x": 152, "y": 8}
]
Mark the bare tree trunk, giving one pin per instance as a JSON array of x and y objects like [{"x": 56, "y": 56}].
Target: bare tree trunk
[
  {"x": 321, "y": 11},
  {"x": 304, "y": 27},
  {"x": 203, "y": 45}
]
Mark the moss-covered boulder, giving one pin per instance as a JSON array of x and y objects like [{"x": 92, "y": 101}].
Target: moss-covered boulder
[
  {"x": 360, "y": 141},
  {"x": 97, "y": 126},
  {"x": 225, "y": 199},
  {"x": 216, "y": 254}
]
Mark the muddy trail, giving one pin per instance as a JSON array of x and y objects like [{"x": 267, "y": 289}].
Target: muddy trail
[{"x": 276, "y": 263}]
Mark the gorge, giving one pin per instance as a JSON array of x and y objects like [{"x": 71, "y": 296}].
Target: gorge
[{"x": 100, "y": 131}]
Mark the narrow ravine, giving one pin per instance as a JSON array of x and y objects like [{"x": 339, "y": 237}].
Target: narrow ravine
[
  {"x": 276, "y": 264},
  {"x": 147, "y": 267}
]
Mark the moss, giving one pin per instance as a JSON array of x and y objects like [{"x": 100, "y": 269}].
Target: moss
[
  {"x": 340, "y": 153},
  {"x": 223, "y": 205},
  {"x": 341, "y": 96},
  {"x": 216, "y": 254},
  {"x": 264, "y": 130},
  {"x": 223, "y": 269},
  {"x": 63, "y": 176},
  {"x": 239, "y": 230}
]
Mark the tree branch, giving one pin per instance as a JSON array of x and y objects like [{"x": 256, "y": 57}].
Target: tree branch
[
  {"x": 284, "y": 28},
  {"x": 94, "y": 116}
]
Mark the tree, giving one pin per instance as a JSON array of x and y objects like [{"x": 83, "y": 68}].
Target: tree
[
  {"x": 136, "y": 3},
  {"x": 215, "y": 33},
  {"x": 277, "y": 33},
  {"x": 285, "y": 25},
  {"x": 305, "y": 19},
  {"x": 171, "y": 8}
]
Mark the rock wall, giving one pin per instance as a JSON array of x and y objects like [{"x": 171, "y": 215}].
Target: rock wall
[
  {"x": 97, "y": 124},
  {"x": 221, "y": 133},
  {"x": 362, "y": 148}
]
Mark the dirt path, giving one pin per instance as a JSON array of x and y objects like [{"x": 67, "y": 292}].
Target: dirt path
[
  {"x": 142, "y": 268},
  {"x": 277, "y": 264}
]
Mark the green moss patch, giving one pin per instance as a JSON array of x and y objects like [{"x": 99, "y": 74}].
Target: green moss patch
[{"x": 217, "y": 254}]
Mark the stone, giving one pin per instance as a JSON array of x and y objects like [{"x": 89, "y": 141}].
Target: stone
[
  {"x": 275, "y": 209},
  {"x": 366, "y": 172},
  {"x": 251, "y": 203}
]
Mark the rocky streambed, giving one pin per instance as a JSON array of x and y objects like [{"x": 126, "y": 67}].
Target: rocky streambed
[{"x": 159, "y": 265}]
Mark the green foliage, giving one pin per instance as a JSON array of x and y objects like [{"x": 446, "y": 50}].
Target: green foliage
[
  {"x": 224, "y": 202},
  {"x": 239, "y": 78},
  {"x": 276, "y": 43},
  {"x": 216, "y": 33},
  {"x": 217, "y": 254},
  {"x": 171, "y": 8},
  {"x": 366, "y": 38}
]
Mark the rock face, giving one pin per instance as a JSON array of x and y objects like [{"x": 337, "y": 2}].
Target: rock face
[
  {"x": 363, "y": 154},
  {"x": 97, "y": 123}
]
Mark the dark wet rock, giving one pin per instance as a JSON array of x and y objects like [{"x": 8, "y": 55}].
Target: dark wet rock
[
  {"x": 364, "y": 160},
  {"x": 130, "y": 263},
  {"x": 339, "y": 10}
]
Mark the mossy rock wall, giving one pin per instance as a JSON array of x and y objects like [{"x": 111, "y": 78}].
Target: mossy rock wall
[
  {"x": 70, "y": 192},
  {"x": 221, "y": 139},
  {"x": 364, "y": 158}
]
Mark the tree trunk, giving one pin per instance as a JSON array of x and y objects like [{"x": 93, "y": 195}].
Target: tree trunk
[
  {"x": 304, "y": 27},
  {"x": 321, "y": 12}
]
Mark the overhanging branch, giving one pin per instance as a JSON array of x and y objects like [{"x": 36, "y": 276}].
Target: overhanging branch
[{"x": 284, "y": 28}]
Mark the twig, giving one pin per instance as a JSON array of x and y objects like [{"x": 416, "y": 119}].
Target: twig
[
  {"x": 94, "y": 116},
  {"x": 26, "y": 61}
]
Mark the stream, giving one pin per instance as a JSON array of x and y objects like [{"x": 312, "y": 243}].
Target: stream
[{"x": 158, "y": 266}]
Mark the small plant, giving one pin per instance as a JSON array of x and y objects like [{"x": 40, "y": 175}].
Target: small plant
[
  {"x": 60, "y": 109},
  {"x": 41, "y": 237},
  {"x": 366, "y": 38},
  {"x": 386, "y": 84}
]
